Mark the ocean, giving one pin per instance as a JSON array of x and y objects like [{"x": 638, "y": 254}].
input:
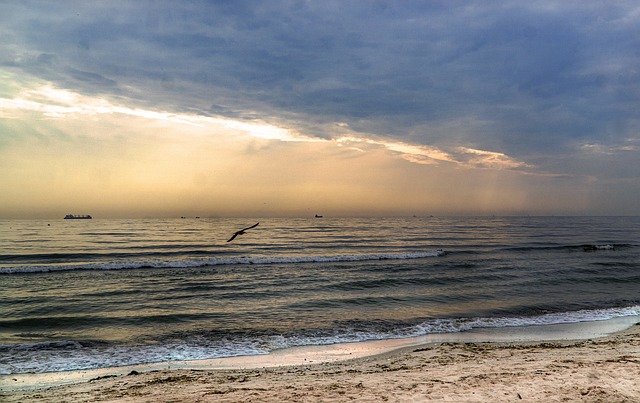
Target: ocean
[{"x": 85, "y": 294}]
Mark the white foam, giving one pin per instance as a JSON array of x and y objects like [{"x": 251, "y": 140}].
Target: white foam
[
  {"x": 447, "y": 326},
  {"x": 70, "y": 355},
  {"x": 38, "y": 358},
  {"x": 460, "y": 325}
]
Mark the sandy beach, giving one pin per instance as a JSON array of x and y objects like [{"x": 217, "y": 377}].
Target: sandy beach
[{"x": 596, "y": 370}]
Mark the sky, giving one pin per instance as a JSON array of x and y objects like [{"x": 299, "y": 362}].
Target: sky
[{"x": 340, "y": 108}]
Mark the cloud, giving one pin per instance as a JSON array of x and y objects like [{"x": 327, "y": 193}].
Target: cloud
[
  {"x": 55, "y": 103},
  {"x": 533, "y": 72},
  {"x": 460, "y": 156}
]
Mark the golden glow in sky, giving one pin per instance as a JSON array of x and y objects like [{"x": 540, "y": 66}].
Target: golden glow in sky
[{"x": 89, "y": 154}]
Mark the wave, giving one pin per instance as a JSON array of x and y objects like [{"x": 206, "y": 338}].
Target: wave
[
  {"x": 55, "y": 356},
  {"x": 556, "y": 318},
  {"x": 194, "y": 263},
  {"x": 575, "y": 247}
]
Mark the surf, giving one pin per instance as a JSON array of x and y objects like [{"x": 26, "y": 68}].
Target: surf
[{"x": 195, "y": 263}]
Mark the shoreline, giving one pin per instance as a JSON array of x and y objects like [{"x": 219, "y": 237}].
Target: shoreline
[{"x": 605, "y": 348}]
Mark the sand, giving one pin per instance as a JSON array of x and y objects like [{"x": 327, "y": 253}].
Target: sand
[{"x": 596, "y": 370}]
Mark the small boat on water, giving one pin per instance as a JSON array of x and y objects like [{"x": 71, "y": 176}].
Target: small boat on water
[{"x": 77, "y": 217}]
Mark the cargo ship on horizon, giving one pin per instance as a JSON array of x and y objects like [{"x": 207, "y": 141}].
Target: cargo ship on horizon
[{"x": 77, "y": 217}]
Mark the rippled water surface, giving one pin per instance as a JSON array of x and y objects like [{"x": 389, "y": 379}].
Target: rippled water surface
[{"x": 93, "y": 293}]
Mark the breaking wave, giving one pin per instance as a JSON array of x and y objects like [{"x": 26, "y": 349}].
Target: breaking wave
[
  {"x": 80, "y": 355},
  {"x": 193, "y": 263}
]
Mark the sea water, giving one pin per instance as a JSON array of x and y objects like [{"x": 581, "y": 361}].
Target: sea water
[{"x": 86, "y": 294}]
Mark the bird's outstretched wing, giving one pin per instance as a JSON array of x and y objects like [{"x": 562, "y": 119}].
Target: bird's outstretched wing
[
  {"x": 241, "y": 232},
  {"x": 253, "y": 226}
]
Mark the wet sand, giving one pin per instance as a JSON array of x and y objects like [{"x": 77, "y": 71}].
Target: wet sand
[{"x": 603, "y": 369}]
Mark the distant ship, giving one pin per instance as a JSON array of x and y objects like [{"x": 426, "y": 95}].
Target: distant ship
[{"x": 77, "y": 217}]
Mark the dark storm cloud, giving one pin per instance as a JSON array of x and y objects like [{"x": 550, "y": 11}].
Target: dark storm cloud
[{"x": 527, "y": 79}]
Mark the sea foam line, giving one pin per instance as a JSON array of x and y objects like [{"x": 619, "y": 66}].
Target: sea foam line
[
  {"x": 556, "y": 318},
  {"x": 179, "y": 264},
  {"x": 71, "y": 355}
]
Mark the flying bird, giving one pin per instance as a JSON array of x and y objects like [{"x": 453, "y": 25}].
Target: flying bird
[{"x": 241, "y": 232}]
